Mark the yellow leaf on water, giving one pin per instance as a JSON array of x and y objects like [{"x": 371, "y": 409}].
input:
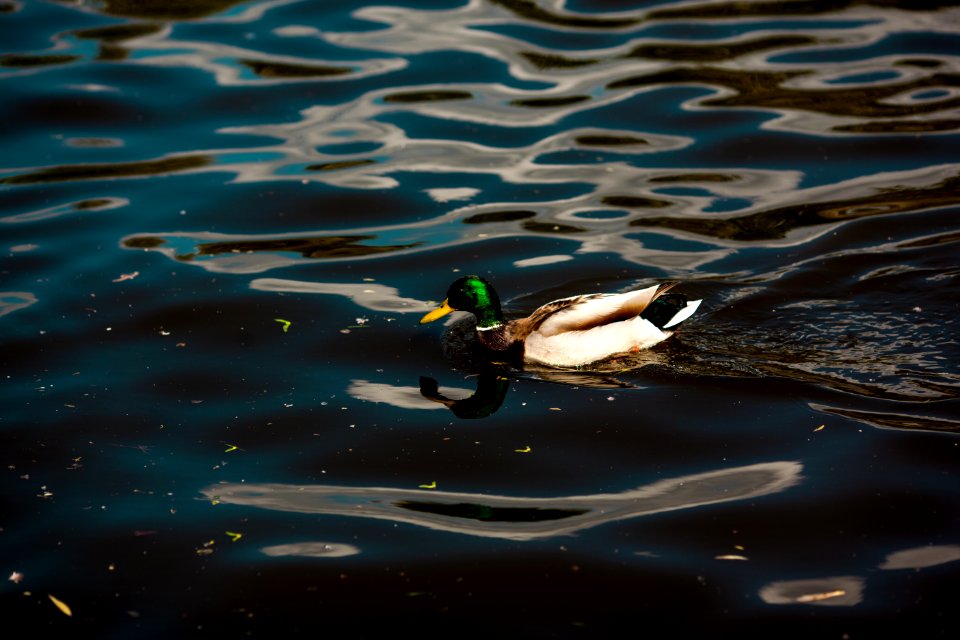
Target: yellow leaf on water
[
  {"x": 60, "y": 605},
  {"x": 432, "y": 485},
  {"x": 820, "y": 428}
]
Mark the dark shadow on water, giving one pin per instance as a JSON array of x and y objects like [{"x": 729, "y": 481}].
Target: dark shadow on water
[
  {"x": 786, "y": 8},
  {"x": 22, "y": 61},
  {"x": 266, "y": 69},
  {"x": 325, "y": 247},
  {"x": 162, "y": 9},
  {"x": 530, "y": 10},
  {"x": 486, "y": 513},
  {"x": 65, "y": 173}
]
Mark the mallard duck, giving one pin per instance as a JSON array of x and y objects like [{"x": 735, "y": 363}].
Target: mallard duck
[{"x": 572, "y": 331}]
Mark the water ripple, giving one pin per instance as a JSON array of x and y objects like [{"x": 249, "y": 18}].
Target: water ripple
[{"x": 222, "y": 219}]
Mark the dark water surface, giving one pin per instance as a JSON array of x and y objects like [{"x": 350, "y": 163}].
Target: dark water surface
[{"x": 221, "y": 222}]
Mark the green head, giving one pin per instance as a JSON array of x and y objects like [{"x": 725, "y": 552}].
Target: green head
[{"x": 473, "y": 294}]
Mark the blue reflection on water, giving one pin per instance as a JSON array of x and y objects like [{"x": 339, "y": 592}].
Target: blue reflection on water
[{"x": 219, "y": 234}]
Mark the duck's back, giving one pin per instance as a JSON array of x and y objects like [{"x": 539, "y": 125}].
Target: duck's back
[
  {"x": 581, "y": 313},
  {"x": 577, "y": 348},
  {"x": 584, "y": 329}
]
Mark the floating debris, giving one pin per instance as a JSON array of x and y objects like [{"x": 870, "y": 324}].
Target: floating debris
[
  {"x": 432, "y": 485},
  {"x": 286, "y": 323},
  {"x": 817, "y": 597},
  {"x": 234, "y": 536},
  {"x": 230, "y": 447},
  {"x": 820, "y": 428},
  {"x": 526, "y": 449},
  {"x": 60, "y": 605},
  {"x": 127, "y": 276},
  {"x": 15, "y": 577},
  {"x": 206, "y": 550}
]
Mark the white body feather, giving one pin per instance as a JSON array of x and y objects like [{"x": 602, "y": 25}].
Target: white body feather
[
  {"x": 556, "y": 342},
  {"x": 598, "y": 305},
  {"x": 575, "y": 348}
]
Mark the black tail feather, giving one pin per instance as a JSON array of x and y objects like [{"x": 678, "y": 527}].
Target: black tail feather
[{"x": 661, "y": 310}]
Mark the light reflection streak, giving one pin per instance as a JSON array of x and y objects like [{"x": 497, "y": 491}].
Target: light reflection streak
[
  {"x": 900, "y": 421},
  {"x": 11, "y": 301},
  {"x": 596, "y": 77},
  {"x": 922, "y": 557},
  {"x": 750, "y": 71},
  {"x": 370, "y": 295},
  {"x": 513, "y": 518},
  {"x": 47, "y": 213},
  {"x": 311, "y": 550},
  {"x": 782, "y": 218}
]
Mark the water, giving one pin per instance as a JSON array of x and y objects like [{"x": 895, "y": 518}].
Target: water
[{"x": 222, "y": 221}]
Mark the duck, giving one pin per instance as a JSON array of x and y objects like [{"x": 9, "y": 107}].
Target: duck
[{"x": 569, "y": 332}]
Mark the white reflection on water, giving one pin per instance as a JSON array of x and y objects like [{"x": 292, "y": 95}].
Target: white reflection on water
[
  {"x": 370, "y": 295},
  {"x": 312, "y": 550},
  {"x": 836, "y": 591},
  {"x": 778, "y": 205},
  {"x": 921, "y": 557},
  {"x": 514, "y": 518},
  {"x": 847, "y": 591},
  {"x": 398, "y": 396},
  {"x": 68, "y": 208},
  {"x": 451, "y": 194},
  {"x": 539, "y": 261},
  {"x": 11, "y": 301}
]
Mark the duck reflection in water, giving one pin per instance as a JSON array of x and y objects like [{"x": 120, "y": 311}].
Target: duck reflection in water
[
  {"x": 490, "y": 393},
  {"x": 492, "y": 387}
]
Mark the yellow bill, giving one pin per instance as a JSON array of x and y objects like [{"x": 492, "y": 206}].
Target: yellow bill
[{"x": 439, "y": 312}]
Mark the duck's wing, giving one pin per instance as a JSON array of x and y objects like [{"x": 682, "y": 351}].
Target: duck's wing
[{"x": 581, "y": 313}]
